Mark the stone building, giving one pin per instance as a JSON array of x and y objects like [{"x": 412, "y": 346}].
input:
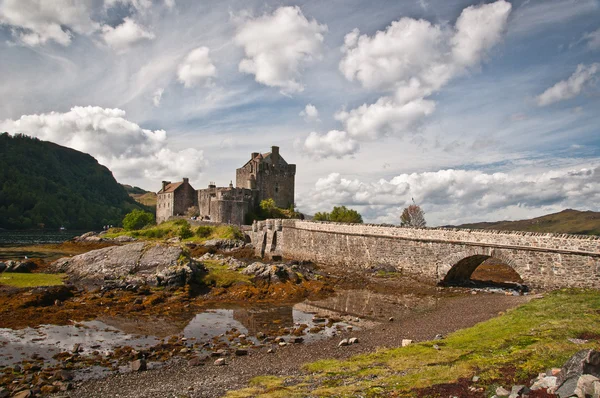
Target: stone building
[{"x": 264, "y": 176}]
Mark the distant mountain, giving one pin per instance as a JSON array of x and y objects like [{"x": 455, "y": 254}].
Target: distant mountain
[
  {"x": 567, "y": 222},
  {"x": 43, "y": 184},
  {"x": 142, "y": 196}
]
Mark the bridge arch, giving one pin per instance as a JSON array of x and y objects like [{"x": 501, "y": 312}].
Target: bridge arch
[{"x": 459, "y": 267}]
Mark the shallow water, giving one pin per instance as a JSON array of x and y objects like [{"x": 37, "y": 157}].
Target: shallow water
[{"x": 36, "y": 237}]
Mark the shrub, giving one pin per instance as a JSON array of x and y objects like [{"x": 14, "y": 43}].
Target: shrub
[
  {"x": 185, "y": 231},
  {"x": 204, "y": 231},
  {"x": 137, "y": 219},
  {"x": 340, "y": 214}
]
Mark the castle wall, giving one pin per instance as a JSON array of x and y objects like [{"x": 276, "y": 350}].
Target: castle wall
[
  {"x": 226, "y": 204},
  {"x": 277, "y": 183},
  {"x": 184, "y": 198},
  {"x": 164, "y": 206},
  {"x": 542, "y": 260}
]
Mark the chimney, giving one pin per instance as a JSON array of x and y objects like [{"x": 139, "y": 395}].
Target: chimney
[
  {"x": 230, "y": 184},
  {"x": 186, "y": 180},
  {"x": 164, "y": 184},
  {"x": 275, "y": 155},
  {"x": 254, "y": 154}
]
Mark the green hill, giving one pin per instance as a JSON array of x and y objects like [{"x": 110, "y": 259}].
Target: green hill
[
  {"x": 142, "y": 196},
  {"x": 43, "y": 184},
  {"x": 567, "y": 222}
]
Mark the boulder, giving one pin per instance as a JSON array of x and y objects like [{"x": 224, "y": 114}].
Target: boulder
[
  {"x": 225, "y": 245},
  {"x": 130, "y": 265},
  {"x": 583, "y": 362},
  {"x": 544, "y": 383},
  {"x": 124, "y": 239},
  {"x": 23, "y": 267},
  {"x": 271, "y": 273},
  {"x": 585, "y": 386}
]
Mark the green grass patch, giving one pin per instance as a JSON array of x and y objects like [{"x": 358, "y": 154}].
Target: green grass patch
[
  {"x": 528, "y": 339},
  {"x": 31, "y": 280},
  {"x": 220, "y": 276},
  {"x": 181, "y": 229}
]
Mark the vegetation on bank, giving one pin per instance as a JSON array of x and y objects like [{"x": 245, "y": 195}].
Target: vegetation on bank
[
  {"x": 511, "y": 348},
  {"x": 180, "y": 229},
  {"x": 340, "y": 214},
  {"x": 568, "y": 221},
  {"x": 44, "y": 185},
  {"x": 220, "y": 276},
  {"x": 31, "y": 280},
  {"x": 268, "y": 209}
]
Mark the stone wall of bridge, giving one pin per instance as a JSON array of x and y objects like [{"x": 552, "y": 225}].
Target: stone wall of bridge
[{"x": 542, "y": 260}]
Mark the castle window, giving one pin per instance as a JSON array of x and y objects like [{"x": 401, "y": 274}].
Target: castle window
[{"x": 276, "y": 188}]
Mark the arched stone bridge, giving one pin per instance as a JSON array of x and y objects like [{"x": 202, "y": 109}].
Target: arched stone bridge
[{"x": 436, "y": 254}]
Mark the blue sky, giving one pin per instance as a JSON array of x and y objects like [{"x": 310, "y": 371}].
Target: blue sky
[{"x": 476, "y": 110}]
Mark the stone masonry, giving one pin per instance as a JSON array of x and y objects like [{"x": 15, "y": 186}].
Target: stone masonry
[{"x": 542, "y": 260}]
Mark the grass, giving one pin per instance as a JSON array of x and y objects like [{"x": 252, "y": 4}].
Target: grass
[
  {"x": 220, "y": 276},
  {"x": 30, "y": 280},
  {"x": 526, "y": 340},
  {"x": 178, "y": 228}
]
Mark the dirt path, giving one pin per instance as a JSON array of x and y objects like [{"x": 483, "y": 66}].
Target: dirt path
[{"x": 181, "y": 380}]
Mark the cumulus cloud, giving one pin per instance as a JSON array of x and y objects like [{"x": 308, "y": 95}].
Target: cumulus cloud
[
  {"x": 125, "y": 35},
  {"x": 593, "y": 40},
  {"x": 278, "y": 46},
  {"x": 457, "y": 196},
  {"x": 570, "y": 88},
  {"x": 413, "y": 59},
  {"x": 332, "y": 144},
  {"x": 128, "y": 150},
  {"x": 310, "y": 113},
  {"x": 36, "y": 22},
  {"x": 197, "y": 68}
]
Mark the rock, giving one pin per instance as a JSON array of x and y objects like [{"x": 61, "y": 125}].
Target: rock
[
  {"x": 270, "y": 351},
  {"x": 596, "y": 392},
  {"x": 502, "y": 392},
  {"x": 64, "y": 375},
  {"x": 271, "y": 273},
  {"x": 220, "y": 362},
  {"x": 353, "y": 340},
  {"x": 436, "y": 347},
  {"x": 296, "y": 340},
  {"x": 282, "y": 344},
  {"x": 583, "y": 362},
  {"x": 139, "y": 365},
  {"x": 225, "y": 245},
  {"x": 195, "y": 361},
  {"x": 133, "y": 264},
  {"x": 21, "y": 267},
  {"x": 406, "y": 342},
  {"x": 475, "y": 379},
  {"x": 391, "y": 319},
  {"x": 241, "y": 352},
  {"x": 2, "y": 267},
  {"x": 577, "y": 341},
  {"x": 585, "y": 385},
  {"x": 184, "y": 350},
  {"x": 76, "y": 348},
  {"x": 544, "y": 383},
  {"x": 518, "y": 390},
  {"x": 4, "y": 393},
  {"x": 438, "y": 337},
  {"x": 242, "y": 336},
  {"x": 124, "y": 239},
  {"x": 23, "y": 394},
  {"x": 343, "y": 343}
]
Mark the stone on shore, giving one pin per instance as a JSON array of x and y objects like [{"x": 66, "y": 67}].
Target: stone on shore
[
  {"x": 139, "y": 365},
  {"x": 130, "y": 265},
  {"x": 271, "y": 273}
]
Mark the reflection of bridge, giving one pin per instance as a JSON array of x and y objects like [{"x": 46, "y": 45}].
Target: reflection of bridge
[
  {"x": 264, "y": 319},
  {"x": 542, "y": 260}
]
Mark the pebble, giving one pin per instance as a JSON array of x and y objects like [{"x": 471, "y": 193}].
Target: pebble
[
  {"x": 220, "y": 362},
  {"x": 353, "y": 340},
  {"x": 343, "y": 343},
  {"x": 406, "y": 342}
]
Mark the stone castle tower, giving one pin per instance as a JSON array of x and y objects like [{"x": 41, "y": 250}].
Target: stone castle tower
[{"x": 264, "y": 176}]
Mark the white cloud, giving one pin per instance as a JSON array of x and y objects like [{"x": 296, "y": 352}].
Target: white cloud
[
  {"x": 593, "y": 39},
  {"x": 458, "y": 196},
  {"x": 197, "y": 68},
  {"x": 125, "y": 35},
  {"x": 385, "y": 117},
  {"x": 278, "y": 46},
  {"x": 572, "y": 87},
  {"x": 157, "y": 96},
  {"x": 310, "y": 113},
  {"x": 129, "y": 151},
  {"x": 170, "y": 4},
  {"x": 332, "y": 144},
  {"x": 139, "y": 5},
  {"x": 414, "y": 59},
  {"x": 36, "y": 22}
]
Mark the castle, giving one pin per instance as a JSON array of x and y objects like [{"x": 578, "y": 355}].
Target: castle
[{"x": 264, "y": 176}]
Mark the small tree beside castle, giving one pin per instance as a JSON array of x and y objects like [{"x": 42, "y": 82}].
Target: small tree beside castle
[{"x": 413, "y": 216}]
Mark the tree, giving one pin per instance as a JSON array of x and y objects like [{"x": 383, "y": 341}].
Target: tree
[
  {"x": 413, "y": 216},
  {"x": 340, "y": 214},
  {"x": 137, "y": 219}
]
